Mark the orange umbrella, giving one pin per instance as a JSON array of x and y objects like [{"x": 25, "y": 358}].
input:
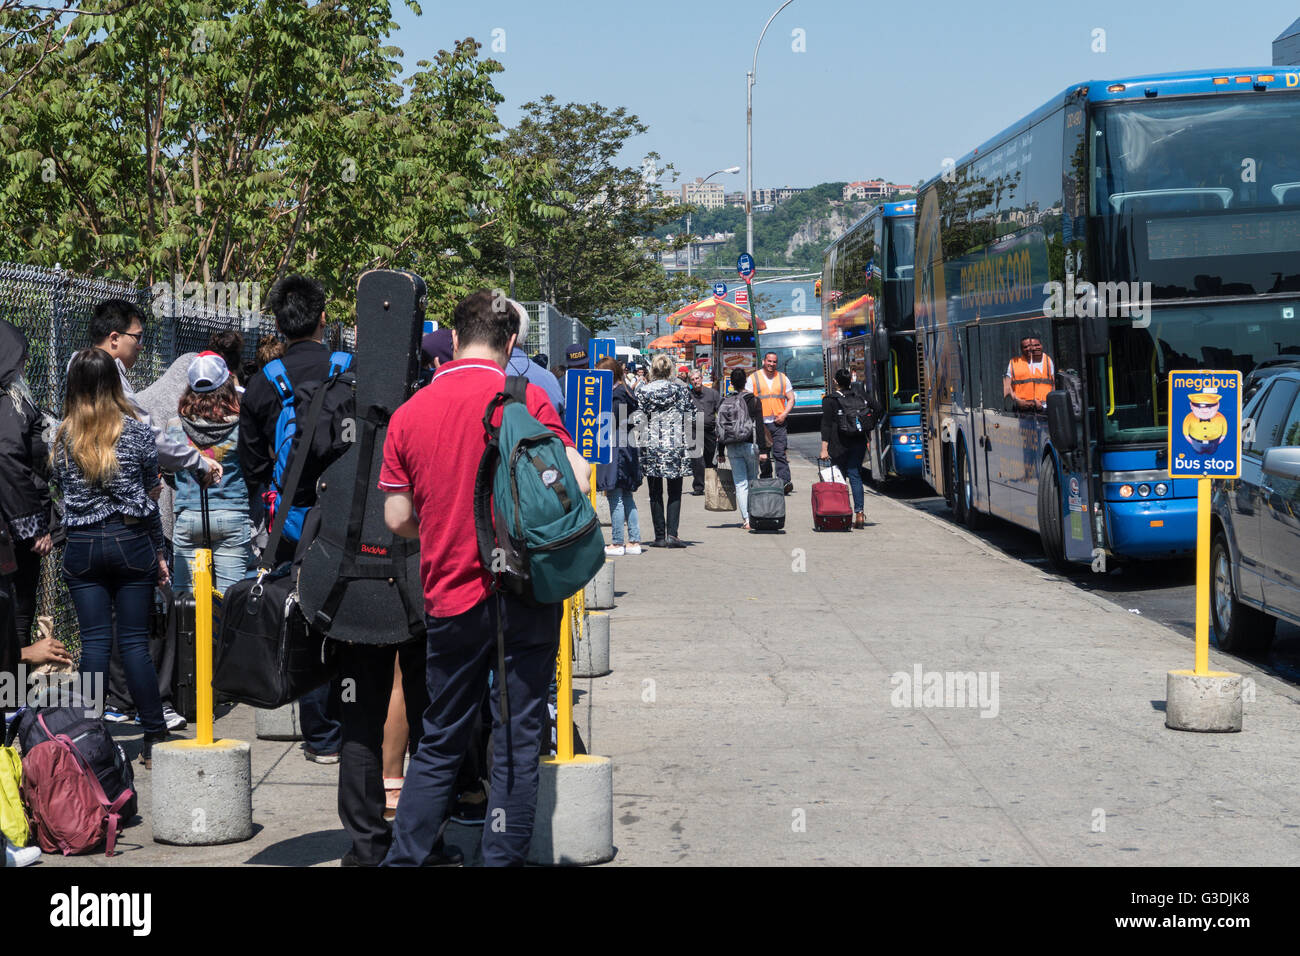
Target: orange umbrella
[
  {"x": 695, "y": 336},
  {"x": 712, "y": 313},
  {"x": 666, "y": 342}
]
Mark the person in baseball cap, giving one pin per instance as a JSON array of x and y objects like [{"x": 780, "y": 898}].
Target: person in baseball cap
[
  {"x": 575, "y": 356},
  {"x": 208, "y": 372}
]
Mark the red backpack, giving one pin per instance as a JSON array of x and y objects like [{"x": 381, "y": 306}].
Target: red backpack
[{"x": 69, "y": 810}]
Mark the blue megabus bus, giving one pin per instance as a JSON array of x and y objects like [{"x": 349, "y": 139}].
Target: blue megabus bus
[
  {"x": 868, "y": 326},
  {"x": 797, "y": 342},
  {"x": 1125, "y": 229}
]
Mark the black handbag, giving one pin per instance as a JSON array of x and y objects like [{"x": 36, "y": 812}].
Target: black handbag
[{"x": 267, "y": 654}]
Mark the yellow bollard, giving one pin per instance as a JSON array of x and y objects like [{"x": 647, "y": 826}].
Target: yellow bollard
[
  {"x": 1203, "y": 576},
  {"x": 203, "y": 643},
  {"x": 564, "y": 688}
]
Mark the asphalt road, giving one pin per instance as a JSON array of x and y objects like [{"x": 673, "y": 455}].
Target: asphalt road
[{"x": 1163, "y": 591}]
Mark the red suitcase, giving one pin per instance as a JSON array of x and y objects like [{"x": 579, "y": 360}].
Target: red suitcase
[{"x": 831, "y": 508}]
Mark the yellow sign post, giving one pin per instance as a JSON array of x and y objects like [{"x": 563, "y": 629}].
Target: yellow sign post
[
  {"x": 203, "y": 643},
  {"x": 1204, "y": 443}
]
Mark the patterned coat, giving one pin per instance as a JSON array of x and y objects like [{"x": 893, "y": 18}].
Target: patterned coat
[{"x": 670, "y": 412}]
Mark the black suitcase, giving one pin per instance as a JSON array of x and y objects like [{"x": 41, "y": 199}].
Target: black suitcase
[
  {"x": 183, "y": 632},
  {"x": 766, "y": 504}
]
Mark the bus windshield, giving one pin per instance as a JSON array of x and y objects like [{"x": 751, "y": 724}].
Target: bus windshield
[
  {"x": 1201, "y": 198},
  {"x": 1135, "y": 377},
  {"x": 900, "y": 244},
  {"x": 802, "y": 364}
]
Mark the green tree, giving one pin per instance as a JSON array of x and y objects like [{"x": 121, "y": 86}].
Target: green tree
[
  {"x": 601, "y": 258},
  {"x": 238, "y": 140}
]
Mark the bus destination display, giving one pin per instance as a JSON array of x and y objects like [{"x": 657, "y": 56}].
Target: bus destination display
[{"x": 1204, "y": 237}]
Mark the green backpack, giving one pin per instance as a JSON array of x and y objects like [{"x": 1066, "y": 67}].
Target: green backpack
[
  {"x": 13, "y": 818},
  {"x": 537, "y": 532}
]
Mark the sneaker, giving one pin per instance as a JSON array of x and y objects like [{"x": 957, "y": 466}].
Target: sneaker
[
  {"x": 315, "y": 757},
  {"x": 173, "y": 720},
  {"x": 116, "y": 716},
  {"x": 21, "y": 856},
  {"x": 613, "y": 550},
  {"x": 633, "y": 548}
]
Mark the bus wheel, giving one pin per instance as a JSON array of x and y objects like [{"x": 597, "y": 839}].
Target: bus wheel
[
  {"x": 951, "y": 489},
  {"x": 973, "y": 517},
  {"x": 1051, "y": 525}
]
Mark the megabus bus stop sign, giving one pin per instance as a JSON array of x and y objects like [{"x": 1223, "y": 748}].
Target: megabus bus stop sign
[
  {"x": 588, "y": 412},
  {"x": 1204, "y": 424}
]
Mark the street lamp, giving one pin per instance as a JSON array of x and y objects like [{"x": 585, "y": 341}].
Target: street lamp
[
  {"x": 690, "y": 246},
  {"x": 752, "y": 78}
]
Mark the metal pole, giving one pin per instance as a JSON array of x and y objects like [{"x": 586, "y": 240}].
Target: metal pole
[
  {"x": 689, "y": 245},
  {"x": 751, "y": 79}
]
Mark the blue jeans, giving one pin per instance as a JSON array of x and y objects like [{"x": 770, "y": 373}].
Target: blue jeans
[
  {"x": 849, "y": 461},
  {"x": 744, "y": 469},
  {"x": 622, "y": 506},
  {"x": 232, "y": 548},
  {"x": 111, "y": 570},
  {"x": 462, "y": 652}
]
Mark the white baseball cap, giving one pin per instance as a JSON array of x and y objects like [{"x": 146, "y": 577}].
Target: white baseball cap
[{"x": 208, "y": 372}]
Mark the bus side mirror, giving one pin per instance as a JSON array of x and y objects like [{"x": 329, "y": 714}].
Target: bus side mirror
[
  {"x": 1060, "y": 421},
  {"x": 1096, "y": 334},
  {"x": 880, "y": 344}
]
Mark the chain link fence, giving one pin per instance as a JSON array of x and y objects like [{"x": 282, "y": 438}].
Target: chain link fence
[
  {"x": 53, "y": 309},
  {"x": 551, "y": 332}
]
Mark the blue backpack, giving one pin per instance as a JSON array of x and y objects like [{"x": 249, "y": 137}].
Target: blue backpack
[{"x": 285, "y": 428}]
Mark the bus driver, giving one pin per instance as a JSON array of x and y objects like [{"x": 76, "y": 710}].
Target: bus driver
[{"x": 1029, "y": 376}]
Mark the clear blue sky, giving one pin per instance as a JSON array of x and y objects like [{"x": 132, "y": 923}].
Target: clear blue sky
[{"x": 868, "y": 97}]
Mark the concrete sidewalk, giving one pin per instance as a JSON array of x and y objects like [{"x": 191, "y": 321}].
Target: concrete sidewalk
[
  {"x": 755, "y": 714},
  {"x": 757, "y": 710}
]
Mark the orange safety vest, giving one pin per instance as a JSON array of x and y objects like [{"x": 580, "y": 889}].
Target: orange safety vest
[
  {"x": 1027, "y": 386},
  {"x": 773, "y": 401}
]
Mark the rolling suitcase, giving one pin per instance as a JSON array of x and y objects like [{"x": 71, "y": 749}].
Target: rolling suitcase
[
  {"x": 182, "y": 631},
  {"x": 766, "y": 504},
  {"x": 831, "y": 508}
]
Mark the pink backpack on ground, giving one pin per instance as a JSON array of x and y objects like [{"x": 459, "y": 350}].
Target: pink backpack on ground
[{"x": 69, "y": 810}]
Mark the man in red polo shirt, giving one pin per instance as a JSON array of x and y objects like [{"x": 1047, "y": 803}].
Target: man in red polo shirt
[{"x": 431, "y": 456}]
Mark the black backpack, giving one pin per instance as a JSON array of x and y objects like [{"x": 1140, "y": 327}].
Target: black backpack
[
  {"x": 104, "y": 757},
  {"x": 856, "y": 417}
]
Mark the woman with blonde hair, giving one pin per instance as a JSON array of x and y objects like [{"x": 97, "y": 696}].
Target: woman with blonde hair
[
  {"x": 105, "y": 463},
  {"x": 665, "y": 456}
]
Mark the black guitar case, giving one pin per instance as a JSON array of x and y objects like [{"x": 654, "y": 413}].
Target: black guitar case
[{"x": 359, "y": 582}]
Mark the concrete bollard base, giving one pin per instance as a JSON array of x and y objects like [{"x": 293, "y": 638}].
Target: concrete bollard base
[
  {"x": 600, "y": 589},
  {"x": 280, "y": 723},
  {"x": 1209, "y": 703},
  {"x": 575, "y": 812},
  {"x": 202, "y": 794},
  {"x": 593, "y": 650}
]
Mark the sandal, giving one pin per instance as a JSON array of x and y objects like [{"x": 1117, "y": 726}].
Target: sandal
[{"x": 392, "y": 791}]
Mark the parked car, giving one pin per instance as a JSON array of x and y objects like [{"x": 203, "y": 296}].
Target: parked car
[{"x": 1255, "y": 555}]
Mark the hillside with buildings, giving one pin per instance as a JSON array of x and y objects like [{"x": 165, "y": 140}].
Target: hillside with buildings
[{"x": 792, "y": 225}]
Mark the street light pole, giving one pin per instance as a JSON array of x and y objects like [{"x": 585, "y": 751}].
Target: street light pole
[
  {"x": 752, "y": 78},
  {"x": 690, "y": 245}
]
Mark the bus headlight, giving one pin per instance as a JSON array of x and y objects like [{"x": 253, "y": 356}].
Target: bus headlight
[
  {"x": 1162, "y": 489},
  {"x": 1144, "y": 490},
  {"x": 1126, "y": 491},
  {"x": 902, "y": 439}
]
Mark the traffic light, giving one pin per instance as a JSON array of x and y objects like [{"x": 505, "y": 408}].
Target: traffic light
[{"x": 817, "y": 289}]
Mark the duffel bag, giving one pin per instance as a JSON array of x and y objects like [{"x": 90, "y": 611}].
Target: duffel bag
[{"x": 267, "y": 655}]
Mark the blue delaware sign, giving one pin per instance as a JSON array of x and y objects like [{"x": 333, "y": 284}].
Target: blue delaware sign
[
  {"x": 598, "y": 349},
  {"x": 589, "y": 412},
  {"x": 1205, "y": 424}
]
